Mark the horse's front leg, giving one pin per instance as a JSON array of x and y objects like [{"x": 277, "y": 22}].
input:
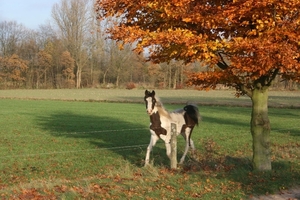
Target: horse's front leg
[
  {"x": 167, "y": 140},
  {"x": 152, "y": 143},
  {"x": 168, "y": 149}
]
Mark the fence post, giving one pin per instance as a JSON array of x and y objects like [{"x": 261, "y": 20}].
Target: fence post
[{"x": 173, "y": 158}]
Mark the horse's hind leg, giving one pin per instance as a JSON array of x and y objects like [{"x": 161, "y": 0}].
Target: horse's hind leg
[
  {"x": 152, "y": 143},
  {"x": 188, "y": 142},
  {"x": 185, "y": 152}
]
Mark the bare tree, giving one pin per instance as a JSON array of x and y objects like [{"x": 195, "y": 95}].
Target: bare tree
[
  {"x": 120, "y": 61},
  {"x": 11, "y": 34},
  {"x": 96, "y": 50},
  {"x": 72, "y": 18}
]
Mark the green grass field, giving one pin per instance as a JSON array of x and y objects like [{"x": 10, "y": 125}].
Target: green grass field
[{"x": 95, "y": 149}]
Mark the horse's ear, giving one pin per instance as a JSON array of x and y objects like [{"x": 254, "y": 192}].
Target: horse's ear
[
  {"x": 146, "y": 92},
  {"x": 153, "y": 92}
]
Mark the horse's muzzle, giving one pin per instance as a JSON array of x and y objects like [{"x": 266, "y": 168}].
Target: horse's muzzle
[{"x": 149, "y": 111}]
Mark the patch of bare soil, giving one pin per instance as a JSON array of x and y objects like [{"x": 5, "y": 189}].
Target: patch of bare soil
[{"x": 291, "y": 194}]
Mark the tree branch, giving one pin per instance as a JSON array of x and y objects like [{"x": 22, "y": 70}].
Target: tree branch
[
  {"x": 273, "y": 76},
  {"x": 245, "y": 90},
  {"x": 223, "y": 65}
]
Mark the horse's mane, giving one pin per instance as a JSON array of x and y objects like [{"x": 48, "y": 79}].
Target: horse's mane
[{"x": 161, "y": 109}]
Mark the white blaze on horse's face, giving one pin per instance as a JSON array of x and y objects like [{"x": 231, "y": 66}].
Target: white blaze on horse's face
[
  {"x": 149, "y": 105},
  {"x": 150, "y": 101}
]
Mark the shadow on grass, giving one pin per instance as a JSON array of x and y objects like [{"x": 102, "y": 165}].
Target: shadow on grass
[
  {"x": 115, "y": 134},
  {"x": 238, "y": 116},
  {"x": 282, "y": 176},
  {"x": 239, "y": 172},
  {"x": 243, "y": 101},
  {"x": 129, "y": 140}
]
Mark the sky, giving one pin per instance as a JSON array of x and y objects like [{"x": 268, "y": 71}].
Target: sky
[{"x": 29, "y": 13}]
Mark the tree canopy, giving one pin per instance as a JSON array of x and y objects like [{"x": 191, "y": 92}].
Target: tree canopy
[
  {"x": 244, "y": 43},
  {"x": 251, "y": 41},
  {"x": 13, "y": 69}
]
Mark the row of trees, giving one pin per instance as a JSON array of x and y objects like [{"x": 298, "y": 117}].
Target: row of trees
[{"x": 73, "y": 52}]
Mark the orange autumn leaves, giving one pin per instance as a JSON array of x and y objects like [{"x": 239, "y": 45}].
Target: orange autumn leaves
[
  {"x": 13, "y": 69},
  {"x": 258, "y": 39}
]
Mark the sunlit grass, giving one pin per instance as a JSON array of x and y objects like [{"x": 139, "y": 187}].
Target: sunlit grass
[{"x": 72, "y": 149}]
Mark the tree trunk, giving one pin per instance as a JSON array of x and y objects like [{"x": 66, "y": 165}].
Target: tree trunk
[
  {"x": 260, "y": 130},
  {"x": 78, "y": 77},
  {"x": 118, "y": 77},
  {"x": 45, "y": 79},
  {"x": 181, "y": 75},
  {"x": 170, "y": 77},
  {"x": 92, "y": 75},
  {"x": 175, "y": 78},
  {"x": 37, "y": 80}
]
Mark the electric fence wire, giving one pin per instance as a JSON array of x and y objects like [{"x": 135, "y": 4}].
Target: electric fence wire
[
  {"x": 95, "y": 149},
  {"x": 84, "y": 150}
]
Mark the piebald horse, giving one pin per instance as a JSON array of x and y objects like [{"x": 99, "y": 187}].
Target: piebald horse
[{"x": 160, "y": 124}]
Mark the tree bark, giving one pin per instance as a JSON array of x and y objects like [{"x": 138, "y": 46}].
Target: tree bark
[
  {"x": 118, "y": 76},
  {"x": 175, "y": 78},
  {"x": 104, "y": 77},
  {"x": 78, "y": 77},
  {"x": 260, "y": 130}
]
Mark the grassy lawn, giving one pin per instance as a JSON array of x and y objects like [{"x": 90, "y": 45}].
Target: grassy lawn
[{"x": 78, "y": 149}]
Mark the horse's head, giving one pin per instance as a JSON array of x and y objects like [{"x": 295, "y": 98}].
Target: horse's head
[{"x": 150, "y": 101}]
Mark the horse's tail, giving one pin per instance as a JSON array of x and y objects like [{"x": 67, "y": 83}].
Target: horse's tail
[
  {"x": 192, "y": 117},
  {"x": 193, "y": 113}
]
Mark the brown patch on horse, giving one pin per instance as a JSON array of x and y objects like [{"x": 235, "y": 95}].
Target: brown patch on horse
[{"x": 156, "y": 125}]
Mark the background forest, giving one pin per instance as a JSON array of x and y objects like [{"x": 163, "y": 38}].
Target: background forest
[{"x": 73, "y": 52}]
